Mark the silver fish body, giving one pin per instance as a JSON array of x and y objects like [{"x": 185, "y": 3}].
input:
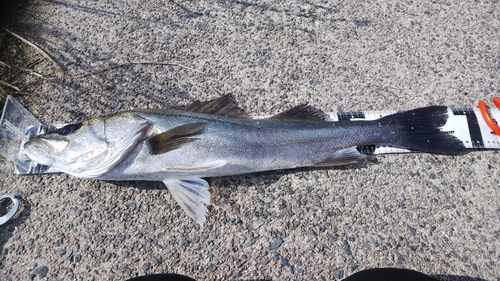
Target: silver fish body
[
  {"x": 180, "y": 147},
  {"x": 248, "y": 146}
]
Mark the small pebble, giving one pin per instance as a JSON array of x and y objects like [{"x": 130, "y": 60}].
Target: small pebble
[
  {"x": 158, "y": 260},
  {"x": 146, "y": 266},
  {"x": 354, "y": 267},
  {"x": 257, "y": 224},
  {"x": 30, "y": 241},
  {"x": 212, "y": 267},
  {"x": 401, "y": 259},
  {"x": 412, "y": 230},
  {"x": 347, "y": 248},
  {"x": 482, "y": 238},
  {"x": 195, "y": 239},
  {"x": 42, "y": 271},
  {"x": 338, "y": 274},
  {"x": 131, "y": 206},
  {"x": 127, "y": 271},
  {"x": 275, "y": 244},
  {"x": 427, "y": 258},
  {"x": 78, "y": 258},
  {"x": 68, "y": 254},
  {"x": 286, "y": 262}
]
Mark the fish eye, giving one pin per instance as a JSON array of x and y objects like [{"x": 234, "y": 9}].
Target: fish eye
[{"x": 68, "y": 129}]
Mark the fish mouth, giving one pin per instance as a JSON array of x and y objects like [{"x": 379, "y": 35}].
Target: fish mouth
[{"x": 43, "y": 151}]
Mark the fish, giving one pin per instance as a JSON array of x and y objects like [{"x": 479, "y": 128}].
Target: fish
[{"x": 215, "y": 138}]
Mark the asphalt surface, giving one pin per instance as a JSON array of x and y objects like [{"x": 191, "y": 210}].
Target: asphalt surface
[{"x": 436, "y": 214}]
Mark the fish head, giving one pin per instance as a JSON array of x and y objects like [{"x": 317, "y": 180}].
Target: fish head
[{"x": 91, "y": 148}]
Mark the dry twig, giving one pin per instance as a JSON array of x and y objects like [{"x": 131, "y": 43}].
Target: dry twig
[
  {"x": 59, "y": 68},
  {"x": 42, "y": 52},
  {"x": 10, "y": 86},
  {"x": 31, "y": 71}
]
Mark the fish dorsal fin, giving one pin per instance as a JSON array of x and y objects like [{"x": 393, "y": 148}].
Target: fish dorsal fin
[
  {"x": 174, "y": 138},
  {"x": 342, "y": 157},
  {"x": 223, "y": 106},
  {"x": 302, "y": 111}
]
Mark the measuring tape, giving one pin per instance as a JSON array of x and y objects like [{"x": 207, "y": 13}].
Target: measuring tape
[{"x": 467, "y": 124}]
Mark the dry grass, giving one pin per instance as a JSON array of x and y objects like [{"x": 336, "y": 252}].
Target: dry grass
[
  {"x": 16, "y": 60},
  {"x": 19, "y": 67},
  {"x": 24, "y": 64}
]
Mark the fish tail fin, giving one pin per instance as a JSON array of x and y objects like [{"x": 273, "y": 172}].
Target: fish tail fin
[{"x": 420, "y": 129}]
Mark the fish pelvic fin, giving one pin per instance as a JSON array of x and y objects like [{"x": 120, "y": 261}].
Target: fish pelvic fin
[
  {"x": 342, "y": 157},
  {"x": 190, "y": 193},
  {"x": 420, "y": 129},
  {"x": 174, "y": 138}
]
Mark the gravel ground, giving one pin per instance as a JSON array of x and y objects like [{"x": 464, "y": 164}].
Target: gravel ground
[{"x": 436, "y": 214}]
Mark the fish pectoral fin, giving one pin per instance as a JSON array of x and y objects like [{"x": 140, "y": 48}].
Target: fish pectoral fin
[
  {"x": 302, "y": 112},
  {"x": 190, "y": 193},
  {"x": 342, "y": 157},
  {"x": 174, "y": 138}
]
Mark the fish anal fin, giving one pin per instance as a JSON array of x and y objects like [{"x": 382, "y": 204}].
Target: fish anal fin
[
  {"x": 223, "y": 106},
  {"x": 174, "y": 138},
  {"x": 302, "y": 111},
  {"x": 191, "y": 193},
  {"x": 342, "y": 157}
]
